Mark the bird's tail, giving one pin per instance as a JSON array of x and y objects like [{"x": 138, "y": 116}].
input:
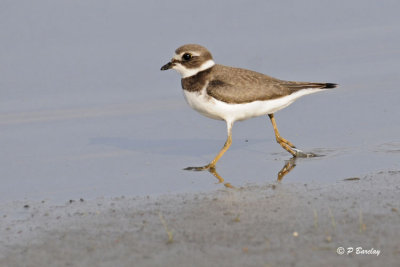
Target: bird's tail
[
  {"x": 296, "y": 86},
  {"x": 328, "y": 85}
]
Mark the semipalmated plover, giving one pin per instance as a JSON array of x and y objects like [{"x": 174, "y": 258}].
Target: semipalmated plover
[{"x": 234, "y": 94}]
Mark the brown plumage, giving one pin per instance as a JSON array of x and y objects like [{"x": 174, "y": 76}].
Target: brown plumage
[{"x": 236, "y": 85}]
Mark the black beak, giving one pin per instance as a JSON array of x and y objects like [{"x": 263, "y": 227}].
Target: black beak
[{"x": 167, "y": 66}]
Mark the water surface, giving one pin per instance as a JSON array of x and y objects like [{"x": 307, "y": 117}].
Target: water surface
[{"x": 85, "y": 111}]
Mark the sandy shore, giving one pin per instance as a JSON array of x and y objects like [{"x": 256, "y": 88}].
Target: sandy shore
[{"x": 272, "y": 225}]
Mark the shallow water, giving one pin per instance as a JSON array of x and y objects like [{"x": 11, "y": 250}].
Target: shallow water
[{"x": 85, "y": 111}]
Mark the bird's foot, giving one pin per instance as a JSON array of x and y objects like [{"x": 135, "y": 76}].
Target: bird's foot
[
  {"x": 300, "y": 154},
  {"x": 202, "y": 168},
  {"x": 211, "y": 168},
  {"x": 282, "y": 141}
]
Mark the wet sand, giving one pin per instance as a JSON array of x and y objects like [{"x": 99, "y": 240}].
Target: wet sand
[{"x": 275, "y": 224}]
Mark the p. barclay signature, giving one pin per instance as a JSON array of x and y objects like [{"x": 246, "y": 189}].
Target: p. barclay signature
[{"x": 357, "y": 251}]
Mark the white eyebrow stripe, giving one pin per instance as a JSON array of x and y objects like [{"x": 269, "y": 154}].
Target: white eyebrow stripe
[{"x": 195, "y": 53}]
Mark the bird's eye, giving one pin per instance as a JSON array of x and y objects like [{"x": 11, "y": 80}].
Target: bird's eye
[{"x": 187, "y": 56}]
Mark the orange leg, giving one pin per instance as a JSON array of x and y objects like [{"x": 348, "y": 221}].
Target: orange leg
[
  {"x": 288, "y": 146},
  {"x": 226, "y": 146}
]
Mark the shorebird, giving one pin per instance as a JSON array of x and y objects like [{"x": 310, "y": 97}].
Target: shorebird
[{"x": 235, "y": 94}]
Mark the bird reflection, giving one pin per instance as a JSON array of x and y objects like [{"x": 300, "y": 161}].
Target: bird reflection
[
  {"x": 221, "y": 180},
  {"x": 288, "y": 167}
]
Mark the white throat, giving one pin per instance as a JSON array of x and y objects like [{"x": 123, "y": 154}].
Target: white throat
[{"x": 190, "y": 72}]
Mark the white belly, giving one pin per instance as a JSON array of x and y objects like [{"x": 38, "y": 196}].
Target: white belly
[{"x": 219, "y": 110}]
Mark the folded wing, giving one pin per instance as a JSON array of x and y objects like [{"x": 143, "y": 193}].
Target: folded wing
[{"x": 235, "y": 85}]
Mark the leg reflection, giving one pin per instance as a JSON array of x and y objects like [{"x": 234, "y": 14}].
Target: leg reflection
[
  {"x": 289, "y": 165},
  {"x": 214, "y": 172}
]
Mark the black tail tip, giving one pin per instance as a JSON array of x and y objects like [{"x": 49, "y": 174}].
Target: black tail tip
[{"x": 330, "y": 85}]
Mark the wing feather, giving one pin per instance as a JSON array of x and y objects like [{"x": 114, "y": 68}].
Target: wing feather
[{"x": 235, "y": 85}]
